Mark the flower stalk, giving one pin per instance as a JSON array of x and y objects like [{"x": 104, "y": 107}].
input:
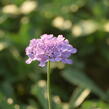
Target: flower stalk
[{"x": 48, "y": 85}]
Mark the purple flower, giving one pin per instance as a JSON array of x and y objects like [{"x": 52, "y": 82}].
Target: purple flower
[{"x": 49, "y": 48}]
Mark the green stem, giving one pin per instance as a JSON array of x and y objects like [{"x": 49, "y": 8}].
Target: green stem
[{"x": 48, "y": 85}]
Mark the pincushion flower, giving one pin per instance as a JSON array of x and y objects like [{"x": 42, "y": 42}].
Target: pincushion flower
[{"x": 50, "y": 48}]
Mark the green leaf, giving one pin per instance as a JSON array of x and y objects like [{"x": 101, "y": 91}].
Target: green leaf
[
  {"x": 79, "y": 78},
  {"x": 78, "y": 96},
  {"x": 94, "y": 105}
]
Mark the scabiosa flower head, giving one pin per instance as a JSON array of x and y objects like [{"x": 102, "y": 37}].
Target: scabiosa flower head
[{"x": 49, "y": 48}]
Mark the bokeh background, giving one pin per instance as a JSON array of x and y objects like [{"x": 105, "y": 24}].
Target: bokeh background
[{"x": 82, "y": 85}]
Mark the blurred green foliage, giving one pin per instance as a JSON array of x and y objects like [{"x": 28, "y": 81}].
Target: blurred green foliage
[{"x": 82, "y": 85}]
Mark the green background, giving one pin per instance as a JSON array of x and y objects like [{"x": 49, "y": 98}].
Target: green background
[{"x": 82, "y": 85}]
